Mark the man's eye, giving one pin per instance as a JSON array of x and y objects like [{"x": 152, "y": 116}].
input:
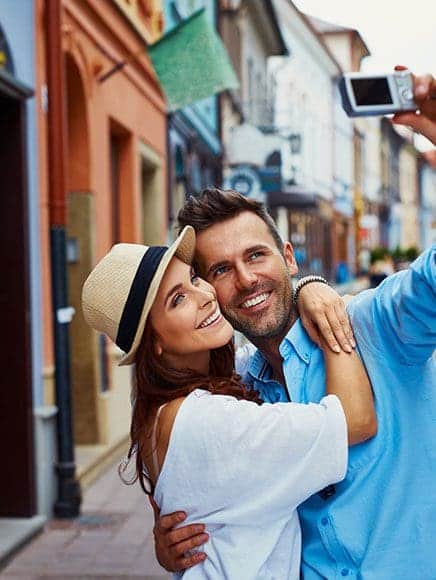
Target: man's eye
[
  {"x": 194, "y": 278},
  {"x": 178, "y": 299},
  {"x": 220, "y": 271},
  {"x": 255, "y": 255}
]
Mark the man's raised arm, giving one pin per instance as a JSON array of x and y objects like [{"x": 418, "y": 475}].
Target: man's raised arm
[{"x": 404, "y": 306}]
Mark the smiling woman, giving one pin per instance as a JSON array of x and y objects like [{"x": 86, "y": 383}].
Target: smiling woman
[
  {"x": 187, "y": 320},
  {"x": 199, "y": 436}
]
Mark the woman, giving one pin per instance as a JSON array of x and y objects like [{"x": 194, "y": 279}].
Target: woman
[{"x": 198, "y": 434}]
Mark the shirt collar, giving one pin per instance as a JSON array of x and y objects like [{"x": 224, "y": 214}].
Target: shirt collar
[
  {"x": 259, "y": 367},
  {"x": 296, "y": 341}
]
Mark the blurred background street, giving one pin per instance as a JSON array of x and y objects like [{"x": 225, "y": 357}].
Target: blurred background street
[{"x": 112, "y": 538}]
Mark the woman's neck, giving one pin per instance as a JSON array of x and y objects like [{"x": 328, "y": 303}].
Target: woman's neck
[{"x": 198, "y": 361}]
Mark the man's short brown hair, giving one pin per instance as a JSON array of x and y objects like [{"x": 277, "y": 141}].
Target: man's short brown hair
[{"x": 216, "y": 205}]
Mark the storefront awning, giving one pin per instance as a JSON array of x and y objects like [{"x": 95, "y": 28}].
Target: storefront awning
[
  {"x": 294, "y": 197},
  {"x": 191, "y": 62},
  {"x": 13, "y": 88}
]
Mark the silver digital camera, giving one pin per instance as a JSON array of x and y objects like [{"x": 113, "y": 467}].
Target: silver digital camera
[{"x": 364, "y": 94}]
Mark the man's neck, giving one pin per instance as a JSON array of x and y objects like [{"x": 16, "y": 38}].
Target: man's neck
[{"x": 269, "y": 347}]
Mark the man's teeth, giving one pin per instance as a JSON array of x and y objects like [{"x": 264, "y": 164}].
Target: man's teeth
[
  {"x": 211, "y": 319},
  {"x": 255, "y": 301}
]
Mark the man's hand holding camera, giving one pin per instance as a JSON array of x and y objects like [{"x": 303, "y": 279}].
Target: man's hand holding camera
[{"x": 424, "y": 119}]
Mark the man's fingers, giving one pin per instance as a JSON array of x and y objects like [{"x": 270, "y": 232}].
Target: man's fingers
[
  {"x": 182, "y": 547},
  {"x": 185, "y": 533},
  {"x": 422, "y": 88},
  {"x": 418, "y": 123},
  {"x": 190, "y": 561},
  {"x": 168, "y": 521}
]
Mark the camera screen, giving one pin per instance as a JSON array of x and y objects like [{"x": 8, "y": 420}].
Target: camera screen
[{"x": 371, "y": 91}]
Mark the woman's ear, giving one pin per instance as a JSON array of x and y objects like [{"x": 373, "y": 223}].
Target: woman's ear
[{"x": 158, "y": 348}]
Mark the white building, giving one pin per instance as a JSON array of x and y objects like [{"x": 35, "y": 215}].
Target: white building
[
  {"x": 307, "y": 115},
  {"x": 250, "y": 31},
  {"x": 427, "y": 218}
]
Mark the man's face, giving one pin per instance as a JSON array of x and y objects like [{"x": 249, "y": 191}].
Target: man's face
[{"x": 251, "y": 277}]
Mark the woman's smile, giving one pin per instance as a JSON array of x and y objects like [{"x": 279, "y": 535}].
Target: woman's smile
[{"x": 213, "y": 320}]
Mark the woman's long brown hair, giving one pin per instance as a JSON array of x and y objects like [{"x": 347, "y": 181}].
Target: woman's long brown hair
[{"x": 155, "y": 384}]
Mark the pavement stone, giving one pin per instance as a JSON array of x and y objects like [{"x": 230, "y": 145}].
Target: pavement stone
[{"x": 112, "y": 539}]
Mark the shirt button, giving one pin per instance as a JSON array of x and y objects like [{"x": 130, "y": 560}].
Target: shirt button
[
  {"x": 345, "y": 572},
  {"x": 324, "y": 521}
]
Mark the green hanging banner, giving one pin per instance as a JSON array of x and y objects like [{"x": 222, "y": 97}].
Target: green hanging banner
[{"x": 191, "y": 62}]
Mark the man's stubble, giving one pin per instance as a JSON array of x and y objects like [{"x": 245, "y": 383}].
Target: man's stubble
[{"x": 279, "y": 319}]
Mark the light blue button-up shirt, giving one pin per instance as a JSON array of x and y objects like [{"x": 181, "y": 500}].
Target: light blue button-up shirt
[{"x": 380, "y": 522}]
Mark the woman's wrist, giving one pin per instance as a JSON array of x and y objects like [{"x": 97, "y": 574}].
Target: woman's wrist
[{"x": 303, "y": 282}]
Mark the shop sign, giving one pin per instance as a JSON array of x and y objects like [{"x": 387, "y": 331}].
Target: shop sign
[{"x": 245, "y": 180}]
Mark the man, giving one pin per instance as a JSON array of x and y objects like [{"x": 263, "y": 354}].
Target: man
[{"x": 379, "y": 523}]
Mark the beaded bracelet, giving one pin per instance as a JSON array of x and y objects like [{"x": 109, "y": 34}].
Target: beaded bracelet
[{"x": 303, "y": 281}]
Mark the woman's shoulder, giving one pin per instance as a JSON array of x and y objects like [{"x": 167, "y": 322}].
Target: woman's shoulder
[
  {"x": 167, "y": 417},
  {"x": 198, "y": 409}
]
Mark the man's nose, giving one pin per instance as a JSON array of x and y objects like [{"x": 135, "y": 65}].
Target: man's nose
[{"x": 245, "y": 278}]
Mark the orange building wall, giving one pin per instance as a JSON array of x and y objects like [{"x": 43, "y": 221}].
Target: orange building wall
[
  {"x": 41, "y": 82},
  {"x": 96, "y": 35}
]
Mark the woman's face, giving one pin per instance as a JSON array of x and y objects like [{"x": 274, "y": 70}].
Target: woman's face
[{"x": 187, "y": 319}]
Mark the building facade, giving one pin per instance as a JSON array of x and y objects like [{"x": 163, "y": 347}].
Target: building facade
[
  {"x": 352, "y": 146},
  {"x": 252, "y": 148},
  {"x": 306, "y": 202},
  {"x": 409, "y": 196},
  {"x": 24, "y": 446},
  {"x": 113, "y": 149},
  {"x": 390, "y": 201},
  {"x": 194, "y": 144},
  {"x": 427, "y": 189}
]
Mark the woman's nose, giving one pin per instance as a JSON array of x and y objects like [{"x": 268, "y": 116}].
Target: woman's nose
[{"x": 205, "y": 297}]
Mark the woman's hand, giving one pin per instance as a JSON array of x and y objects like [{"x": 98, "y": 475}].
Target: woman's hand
[{"x": 322, "y": 312}]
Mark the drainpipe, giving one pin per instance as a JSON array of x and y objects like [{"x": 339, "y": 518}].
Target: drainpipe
[{"x": 68, "y": 500}]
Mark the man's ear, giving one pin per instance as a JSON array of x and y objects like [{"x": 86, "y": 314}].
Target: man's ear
[{"x": 288, "y": 253}]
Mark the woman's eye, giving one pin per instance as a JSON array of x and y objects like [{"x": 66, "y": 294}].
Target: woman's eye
[{"x": 178, "y": 299}]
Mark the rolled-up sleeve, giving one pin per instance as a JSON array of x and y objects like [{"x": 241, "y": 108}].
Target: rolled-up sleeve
[
  {"x": 257, "y": 461},
  {"x": 403, "y": 308}
]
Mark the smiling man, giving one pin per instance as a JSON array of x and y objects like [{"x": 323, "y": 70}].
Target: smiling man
[
  {"x": 250, "y": 273},
  {"x": 377, "y": 523}
]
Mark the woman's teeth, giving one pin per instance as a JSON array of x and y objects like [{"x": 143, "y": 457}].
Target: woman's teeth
[
  {"x": 211, "y": 319},
  {"x": 255, "y": 301}
]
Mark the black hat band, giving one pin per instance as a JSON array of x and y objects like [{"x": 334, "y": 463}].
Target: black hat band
[{"x": 138, "y": 292}]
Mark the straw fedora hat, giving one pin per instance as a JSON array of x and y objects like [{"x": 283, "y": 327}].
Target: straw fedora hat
[{"x": 119, "y": 292}]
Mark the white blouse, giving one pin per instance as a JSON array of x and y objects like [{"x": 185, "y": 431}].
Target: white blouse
[{"x": 242, "y": 469}]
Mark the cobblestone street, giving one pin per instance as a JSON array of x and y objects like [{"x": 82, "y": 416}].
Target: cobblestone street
[{"x": 112, "y": 539}]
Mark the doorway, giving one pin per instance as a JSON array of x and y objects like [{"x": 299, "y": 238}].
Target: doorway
[{"x": 17, "y": 484}]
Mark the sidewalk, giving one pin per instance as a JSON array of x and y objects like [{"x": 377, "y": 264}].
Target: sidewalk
[{"x": 111, "y": 539}]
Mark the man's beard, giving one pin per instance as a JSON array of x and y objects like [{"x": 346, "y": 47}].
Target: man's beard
[{"x": 279, "y": 317}]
